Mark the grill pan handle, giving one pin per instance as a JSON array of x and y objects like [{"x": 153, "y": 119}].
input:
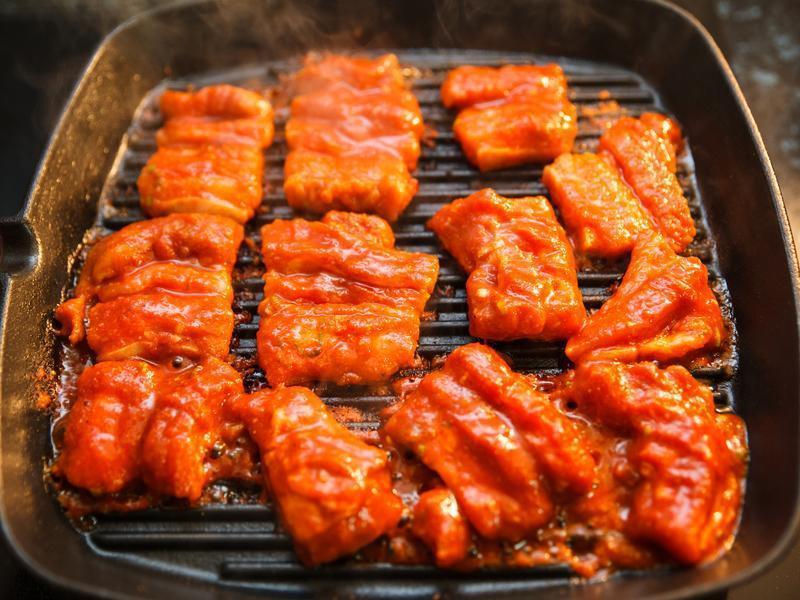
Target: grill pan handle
[{"x": 18, "y": 251}]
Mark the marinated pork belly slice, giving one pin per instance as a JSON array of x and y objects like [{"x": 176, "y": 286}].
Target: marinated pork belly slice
[
  {"x": 526, "y": 126},
  {"x": 663, "y": 310},
  {"x": 369, "y": 181},
  {"x": 333, "y": 491},
  {"x": 439, "y": 522},
  {"x": 498, "y": 443},
  {"x": 309, "y": 247},
  {"x": 523, "y": 282},
  {"x": 218, "y": 114},
  {"x": 223, "y": 180},
  {"x": 343, "y": 343},
  {"x": 342, "y": 138},
  {"x": 206, "y": 240},
  {"x": 321, "y": 71},
  {"x": 178, "y": 278},
  {"x": 199, "y": 131},
  {"x": 181, "y": 264},
  {"x": 341, "y": 119},
  {"x": 685, "y": 463},
  {"x": 354, "y": 135},
  {"x": 104, "y": 428},
  {"x": 340, "y": 303},
  {"x": 322, "y": 288},
  {"x": 186, "y": 425},
  {"x": 468, "y": 85},
  {"x": 134, "y": 421},
  {"x": 392, "y": 110},
  {"x": 158, "y": 325},
  {"x": 600, "y": 211},
  {"x": 221, "y": 101},
  {"x": 645, "y": 151}
]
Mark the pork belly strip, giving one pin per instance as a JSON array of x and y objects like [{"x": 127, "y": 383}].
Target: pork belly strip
[
  {"x": 333, "y": 491},
  {"x": 340, "y": 302},
  {"x": 157, "y": 288},
  {"x": 523, "y": 281},
  {"x": 498, "y": 443},
  {"x": 354, "y": 136}
]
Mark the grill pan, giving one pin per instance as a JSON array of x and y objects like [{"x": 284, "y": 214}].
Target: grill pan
[{"x": 646, "y": 54}]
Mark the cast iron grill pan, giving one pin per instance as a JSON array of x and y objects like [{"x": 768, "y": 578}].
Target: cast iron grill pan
[{"x": 242, "y": 544}]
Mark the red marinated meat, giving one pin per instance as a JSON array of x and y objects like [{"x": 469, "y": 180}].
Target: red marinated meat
[
  {"x": 157, "y": 289},
  {"x": 600, "y": 211},
  {"x": 354, "y": 136},
  {"x": 135, "y": 421},
  {"x": 682, "y": 462},
  {"x": 340, "y": 303},
  {"x": 511, "y": 115},
  {"x": 497, "y": 442},
  {"x": 523, "y": 280},
  {"x": 439, "y": 522},
  {"x": 333, "y": 491},
  {"x": 468, "y": 85},
  {"x": 663, "y": 310},
  {"x": 645, "y": 151},
  {"x": 223, "y": 180}
]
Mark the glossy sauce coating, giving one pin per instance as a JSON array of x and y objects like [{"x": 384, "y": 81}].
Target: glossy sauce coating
[
  {"x": 524, "y": 127},
  {"x": 217, "y": 114},
  {"x": 393, "y": 109},
  {"x": 600, "y": 211},
  {"x": 209, "y": 157},
  {"x": 157, "y": 289},
  {"x": 511, "y": 115},
  {"x": 439, "y": 522},
  {"x": 663, "y": 310},
  {"x": 133, "y": 420},
  {"x": 683, "y": 462},
  {"x": 333, "y": 491},
  {"x": 468, "y": 85},
  {"x": 340, "y": 303},
  {"x": 211, "y": 179},
  {"x": 645, "y": 150},
  {"x": 354, "y": 136},
  {"x": 343, "y": 343},
  {"x": 206, "y": 240},
  {"x": 495, "y": 441},
  {"x": 523, "y": 281},
  {"x": 158, "y": 325},
  {"x": 375, "y": 182}
]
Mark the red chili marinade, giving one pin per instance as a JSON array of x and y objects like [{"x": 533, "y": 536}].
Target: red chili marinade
[{"x": 593, "y": 530}]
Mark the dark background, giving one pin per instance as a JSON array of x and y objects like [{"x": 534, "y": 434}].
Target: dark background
[{"x": 45, "y": 44}]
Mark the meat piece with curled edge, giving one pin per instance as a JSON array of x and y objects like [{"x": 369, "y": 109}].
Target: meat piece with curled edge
[
  {"x": 333, "y": 491},
  {"x": 497, "y": 442},
  {"x": 133, "y": 421},
  {"x": 663, "y": 310}
]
